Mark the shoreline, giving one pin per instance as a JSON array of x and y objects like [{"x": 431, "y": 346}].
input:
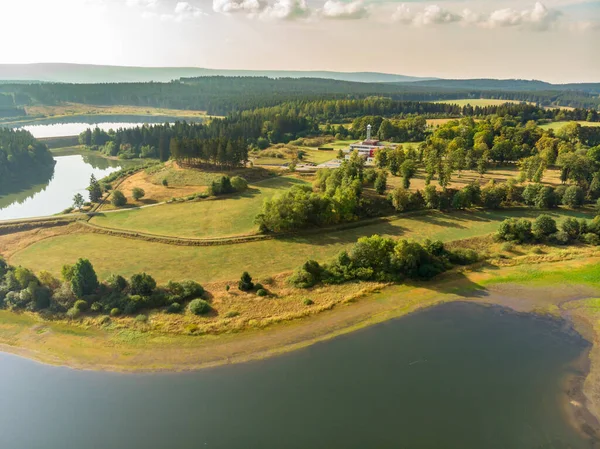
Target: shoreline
[{"x": 580, "y": 404}]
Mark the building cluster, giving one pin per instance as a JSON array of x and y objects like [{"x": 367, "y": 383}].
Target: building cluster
[{"x": 367, "y": 148}]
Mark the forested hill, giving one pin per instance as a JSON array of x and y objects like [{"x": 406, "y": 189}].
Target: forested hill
[
  {"x": 21, "y": 156},
  {"x": 510, "y": 85},
  {"x": 86, "y": 73},
  {"x": 221, "y": 95}
]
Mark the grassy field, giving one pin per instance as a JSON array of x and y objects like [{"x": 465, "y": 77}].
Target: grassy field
[
  {"x": 477, "y": 102},
  {"x": 208, "y": 218},
  {"x": 263, "y": 258},
  {"x": 558, "y": 125},
  {"x": 68, "y": 109}
]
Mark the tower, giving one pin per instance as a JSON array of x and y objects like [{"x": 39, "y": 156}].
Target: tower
[{"x": 368, "y": 132}]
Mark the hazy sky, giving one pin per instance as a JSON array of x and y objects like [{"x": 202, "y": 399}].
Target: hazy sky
[{"x": 554, "y": 40}]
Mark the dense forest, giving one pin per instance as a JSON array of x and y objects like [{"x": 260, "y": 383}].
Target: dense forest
[
  {"x": 21, "y": 156},
  {"x": 221, "y": 95}
]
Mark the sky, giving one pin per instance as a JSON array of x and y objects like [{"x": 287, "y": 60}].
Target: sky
[{"x": 552, "y": 40}]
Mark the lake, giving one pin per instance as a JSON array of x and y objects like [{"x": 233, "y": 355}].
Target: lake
[
  {"x": 458, "y": 376},
  {"x": 40, "y": 197},
  {"x": 75, "y": 125}
]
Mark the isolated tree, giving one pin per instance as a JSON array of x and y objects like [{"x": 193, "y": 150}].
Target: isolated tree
[
  {"x": 95, "y": 190},
  {"x": 78, "y": 201},
  {"x": 138, "y": 193},
  {"x": 245, "y": 284},
  {"x": 118, "y": 199},
  {"x": 544, "y": 226}
]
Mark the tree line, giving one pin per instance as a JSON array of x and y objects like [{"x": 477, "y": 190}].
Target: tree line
[{"x": 220, "y": 95}]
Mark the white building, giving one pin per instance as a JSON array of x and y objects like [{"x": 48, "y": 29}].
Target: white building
[{"x": 367, "y": 148}]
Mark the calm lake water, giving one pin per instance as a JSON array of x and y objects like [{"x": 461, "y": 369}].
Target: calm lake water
[
  {"x": 458, "y": 376},
  {"x": 40, "y": 197}
]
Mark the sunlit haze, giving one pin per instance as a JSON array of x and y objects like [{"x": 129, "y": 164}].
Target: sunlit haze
[{"x": 449, "y": 39}]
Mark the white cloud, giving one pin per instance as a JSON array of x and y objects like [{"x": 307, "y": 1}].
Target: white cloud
[
  {"x": 435, "y": 15},
  {"x": 335, "y": 9},
  {"x": 538, "y": 18},
  {"x": 286, "y": 10},
  {"x": 142, "y": 3},
  {"x": 234, "y": 6},
  {"x": 183, "y": 11}
]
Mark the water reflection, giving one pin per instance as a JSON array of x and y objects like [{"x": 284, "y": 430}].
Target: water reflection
[{"x": 40, "y": 196}]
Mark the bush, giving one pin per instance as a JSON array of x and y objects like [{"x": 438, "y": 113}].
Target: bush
[
  {"x": 117, "y": 199},
  {"x": 138, "y": 193},
  {"x": 232, "y": 314},
  {"x": 105, "y": 320},
  {"x": 165, "y": 183},
  {"x": 261, "y": 292},
  {"x": 308, "y": 302},
  {"x": 141, "y": 318},
  {"x": 199, "y": 307},
  {"x": 73, "y": 313},
  {"x": 308, "y": 275},
  {"x": 463, "y": 256},
  {"x": 560, "y": 238},
  {"x": 245, "y": 284},
  {"x": 142, "y": 284},
  {"x": 96, "y": 307},
  {"x": 117, "y": 282},
  {"x": 543, "y": 227},
  {"x": 80, "y": 305},
  {"x": 115, "y": 311},
  {"x": 572, "y": 227},
  {"x": 381, "y": 182},
  {"x": 591, "y": 239},
  {"x": 239, "y": 184},
  {"x": 258, "y": 286},
  {"x": 574, "y": 197},
  {"x": 508, "y": 247},
  {"x": 221, "y": 186},
  {"x": 515, "y": 230},
  {"x": 174, "y": 308},
  {"x": 536, "y": 250}
]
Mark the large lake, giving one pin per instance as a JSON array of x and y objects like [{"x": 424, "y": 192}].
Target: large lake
[
  {"x": 40, "y": 197},
  {"x": 458, "y": 376}
]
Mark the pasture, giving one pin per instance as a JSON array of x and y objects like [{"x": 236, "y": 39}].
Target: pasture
[
  {"x": 205, "y": 264},
  {"x": 219, "y": 217},
  {"x": 557, "y": 125}
]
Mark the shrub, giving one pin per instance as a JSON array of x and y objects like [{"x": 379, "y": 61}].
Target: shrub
[
  {"x": 463, "y": 256},
  {"x": 138, "y": 193},
  {"x": 232, "y": 314},
  {"x": 80, "y": 305},
  {"x": 546, "y": 198},
  {"x": 381, "y": 182},
  {"x": 141, "y": 318},
  {"x": 174, "y": 308},
  {"x": 83, "y": 278},
  {"x": 227, "y": 288},
  {"x": 104, "y": 320},
  {"x": 117, "y": 199},
  {"x": 245, "y": 284},
  {"x": 544, "y": 226},
  {"x": 308, "y": 302},
  {"x": 73, "y": 313},
  {"x": 560, "y": 238},
  {"x": 537, "y": 250},
  {"x": 239, "y": 184},
  {"x": 261, "y": 292},
  {"x": 96, "y": 307},
  {"x": 199, "y": 307},
  {"x": 574, "y": 197},
  {"x": 165, "y": 183},
  {"x": 307, "y": 275},
  {"x": 142, "y": 284},
  {"x": 117, "y": 282},
  {"x": 258, "y": 286},
  {"x": 115, "y": 311},
  {"x": 572, "y": 227},
  {"x": 591, "y": 239},
  {"x": 515, "y": 230},
  {"x": 508, "y": 247},
  {"x": 401, "y": 199}
]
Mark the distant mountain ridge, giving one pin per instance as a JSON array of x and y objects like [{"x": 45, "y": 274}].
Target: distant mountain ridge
[
  {"x": 84, "y": 73},
  {"x": 514, "y": 85}
]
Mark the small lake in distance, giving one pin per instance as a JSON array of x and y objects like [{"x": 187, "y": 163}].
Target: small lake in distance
[
  {"x": 458, "y": 376},
  {"x": 43, "y": 197}
]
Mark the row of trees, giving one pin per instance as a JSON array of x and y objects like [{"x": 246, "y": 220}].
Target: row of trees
[
  {"x": 79, "y": 291},
  {"x": 545, "y": 229},
  {"x": 383, "y": 259}
]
